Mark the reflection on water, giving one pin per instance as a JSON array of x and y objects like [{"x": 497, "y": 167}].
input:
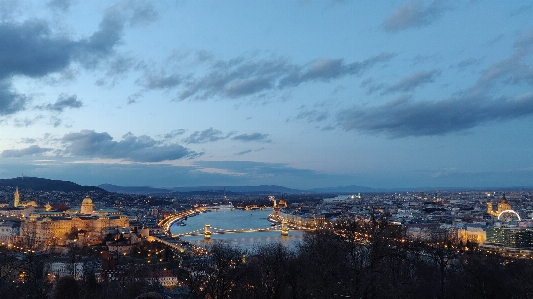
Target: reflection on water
[{"x": 235, "y": 219}]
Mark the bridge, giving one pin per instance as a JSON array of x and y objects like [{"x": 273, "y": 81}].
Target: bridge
[{"x": 207, "y": 231}]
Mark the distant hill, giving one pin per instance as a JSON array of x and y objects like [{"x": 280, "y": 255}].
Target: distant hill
[
  {"x": 133, "y": 189},
  {"x": 39, "y": 184},
  {"x": 199, "y": 189},
  {"x": 345, "y": 189},
  {"x": 240, "y": 189}
]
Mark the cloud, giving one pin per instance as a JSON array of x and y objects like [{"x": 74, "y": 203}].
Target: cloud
[
  {"x": 10, "y": 101},
  {"x": 242, "y": 76},
  {"x": 207, "y": 135},
  {"x": 174, "y": 133},
  {"x": 413, "y": 15},
  {"x": 29, "y": 151},
  {"x": 412, "y": 81},
  {"x": 403, "y": 117},
  {"x": 328, "y": 69},
  {"x": 514, "y": 69},
  {"x": 371, "y": 86},
  {"x": 26, "y": 122},
  {"x": 243, "y": 152},
  {"x": 32, "y": 49},
  {"x": 88, "y": 143},
  {"x": 251, "y": 137},
  {"x": 157, "y": 81},
  {"x": 314, "y": 115},
  {"x": 235, "y": 78},
  {"x": 63, "y": 101}
]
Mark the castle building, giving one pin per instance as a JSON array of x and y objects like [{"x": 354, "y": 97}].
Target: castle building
[{"x": 57, "y": 228}]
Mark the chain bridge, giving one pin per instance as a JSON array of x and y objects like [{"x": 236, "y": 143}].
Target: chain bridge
[{"x": 208, "y": 230}]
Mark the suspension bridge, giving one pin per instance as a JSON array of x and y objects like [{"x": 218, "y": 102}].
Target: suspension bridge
[{"x": 208, "y": 230}]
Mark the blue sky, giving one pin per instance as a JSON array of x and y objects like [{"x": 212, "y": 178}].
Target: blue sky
[{"x": 302, "y": 94}]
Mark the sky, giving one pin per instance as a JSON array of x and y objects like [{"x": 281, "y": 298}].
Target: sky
[{"x": 302, "y": 94}]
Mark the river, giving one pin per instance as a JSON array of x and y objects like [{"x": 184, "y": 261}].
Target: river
[{"x": 235, "y": 219}]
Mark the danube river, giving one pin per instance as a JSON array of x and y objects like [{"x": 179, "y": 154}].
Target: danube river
[{"x": 235, "y": 219}]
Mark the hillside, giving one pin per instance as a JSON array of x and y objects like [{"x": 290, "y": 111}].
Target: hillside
[{"x": 40, "y": 184}]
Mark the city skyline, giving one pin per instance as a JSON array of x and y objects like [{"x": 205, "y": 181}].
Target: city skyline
[{"x": 301, "y": 94}]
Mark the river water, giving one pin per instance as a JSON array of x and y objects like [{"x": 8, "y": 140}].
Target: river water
[{"x": 235, "y": 219}]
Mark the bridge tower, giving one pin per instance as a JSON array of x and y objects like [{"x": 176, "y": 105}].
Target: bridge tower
[
  {"x": 284, "y": 228},
  {"x": 207, "y": 231}
]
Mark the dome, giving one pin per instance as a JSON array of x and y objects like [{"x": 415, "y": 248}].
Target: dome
[
  {"x": 87, "y": 201},
  {"x": 503, "y": 199}
]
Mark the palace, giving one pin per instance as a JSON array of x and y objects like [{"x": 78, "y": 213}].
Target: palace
[{"x": 84, "y": 224}]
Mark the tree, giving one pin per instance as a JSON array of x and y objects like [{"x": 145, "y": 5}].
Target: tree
[{"x": 66, "y": 288}]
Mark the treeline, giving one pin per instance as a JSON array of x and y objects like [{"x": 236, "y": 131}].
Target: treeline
[{"x": 361, "y": 260}]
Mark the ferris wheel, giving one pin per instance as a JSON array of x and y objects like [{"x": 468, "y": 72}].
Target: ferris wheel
[{"x": 509, "y": 215}]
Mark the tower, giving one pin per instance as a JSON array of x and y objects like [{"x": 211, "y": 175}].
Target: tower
[{"x": 16, "y": 200}]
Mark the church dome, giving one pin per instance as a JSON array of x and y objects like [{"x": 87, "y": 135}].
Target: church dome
[
  {"x": 503, "y": 199},
  {"x": 87, "y": 201}
]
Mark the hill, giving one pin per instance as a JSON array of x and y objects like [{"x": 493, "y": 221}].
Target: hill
[
  {"x": 199, "y": 190},
  {"x": 134, "y": 189},
  {"x": 40, "y": 184}
]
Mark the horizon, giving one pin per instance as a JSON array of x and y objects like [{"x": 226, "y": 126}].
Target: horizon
[
  {"x": 397, "y": 189},
  {"x": 309, "y": 94}
]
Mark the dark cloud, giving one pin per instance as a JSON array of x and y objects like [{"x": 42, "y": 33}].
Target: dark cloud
[
  {"x": 403, "y": 117},
  {"x": 251, "y": 137},
  {"x": 88, "y": 143},
  {"x": 32, "y": 49},
  {"x": 29, "y": 151},
  {"x": 412, "y": 81},
  {"x": 10, "y": 101},
  {"x": 414, "y": 14},
  {"x": 207, "y": 135},
  {"x": 63, "y": 101}
]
